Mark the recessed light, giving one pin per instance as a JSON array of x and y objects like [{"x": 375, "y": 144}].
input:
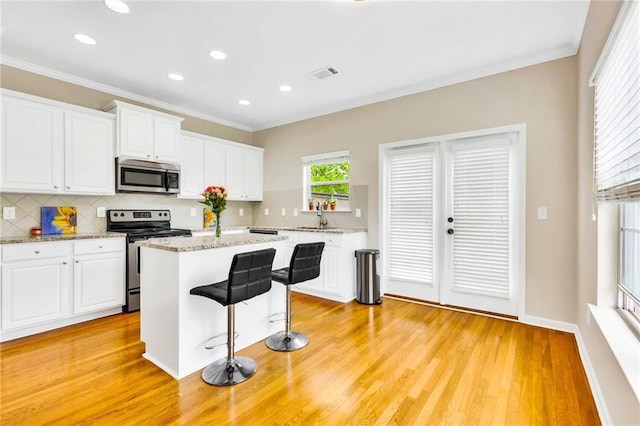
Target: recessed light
[
  {"x": 82, "y": 38},
  {"x": 117, "y": 6},
  {"x": 176, "y": 76},
  {"x": 218, "y": 54},
  {"x": 244, "y": 102},
  {"x": 285, "y": 88}
]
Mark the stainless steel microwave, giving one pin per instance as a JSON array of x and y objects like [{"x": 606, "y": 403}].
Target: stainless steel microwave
[{"x": 147, "y": 176}]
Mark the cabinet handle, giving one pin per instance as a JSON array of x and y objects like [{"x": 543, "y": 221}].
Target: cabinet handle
[
  {"x": 37, "y": 252},
  {"x": 55, "y": 186},
  {"x": 68, "y": 187},
  {"x": 148, "y": 155},
  {"x": 64, "y": 262},
  {"x": 77, "y": 261},
  {"x": 99, "y": 247}
]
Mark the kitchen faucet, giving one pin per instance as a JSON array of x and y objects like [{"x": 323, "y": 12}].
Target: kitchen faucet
[{"x": 323, "y": 222}]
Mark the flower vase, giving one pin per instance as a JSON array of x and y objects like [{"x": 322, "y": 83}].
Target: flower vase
[{"x": 218, "y": 231}]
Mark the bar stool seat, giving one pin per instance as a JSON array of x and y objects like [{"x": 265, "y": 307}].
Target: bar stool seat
[
  {"x": 249, "y": 276},
  {"x": 304, "y": 266}
]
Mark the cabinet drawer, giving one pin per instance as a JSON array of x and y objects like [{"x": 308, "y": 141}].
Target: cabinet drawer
[
  {"x": 98, "y": 245},
  {"x": 11, "y": 252}
]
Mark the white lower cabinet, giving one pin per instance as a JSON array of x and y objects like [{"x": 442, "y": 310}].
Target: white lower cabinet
[
  {"x": 47, "y": 285},
  {"x": 337, "y": 280},
  {"x": 98, "y": 275}
]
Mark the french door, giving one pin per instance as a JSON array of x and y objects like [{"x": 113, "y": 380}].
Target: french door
[{"x": 450, "y": 214}]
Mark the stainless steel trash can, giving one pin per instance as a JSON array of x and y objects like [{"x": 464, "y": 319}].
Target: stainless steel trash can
[{"x": 367, "y": 278}]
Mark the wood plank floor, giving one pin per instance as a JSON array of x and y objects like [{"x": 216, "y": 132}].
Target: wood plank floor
[{"x": 398, "y": 363}]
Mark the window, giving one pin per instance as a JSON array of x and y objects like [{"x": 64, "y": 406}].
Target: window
[
  {"x": 326, "y": 180},
  {"x": 617, "y": 146},
  {"x": 629, "y": 277}
]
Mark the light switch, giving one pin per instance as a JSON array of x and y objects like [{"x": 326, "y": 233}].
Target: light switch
[
  {"x": 542, "y": 213},
  {"x": 266, "y": 212},
  {"x": 8, "y": 213},
  {"x": 240, "y": 212},
  {"x": 193, "y": 212},
  {"x": 100, "y": 212},
  {"x": 283, "y": 212},
  {"x": 358, "y": 212},
  {"x": 295, "y": 212}
]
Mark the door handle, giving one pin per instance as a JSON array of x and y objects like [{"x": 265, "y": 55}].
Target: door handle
[{"x": 450, "y": 231}]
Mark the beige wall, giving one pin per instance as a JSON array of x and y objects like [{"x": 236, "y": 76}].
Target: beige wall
[
  {"x": 622, "y": 403},
  {"x": 39, "y": 85},
  {"x": 542, "y": 96}
]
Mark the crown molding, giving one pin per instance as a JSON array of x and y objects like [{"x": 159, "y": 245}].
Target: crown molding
[{"x": 69, "y": 78}]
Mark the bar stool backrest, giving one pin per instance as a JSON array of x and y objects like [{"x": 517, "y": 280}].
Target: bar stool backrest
[
  {"x": 305, "y": 262},
  {"x": 250, "y": 275}
]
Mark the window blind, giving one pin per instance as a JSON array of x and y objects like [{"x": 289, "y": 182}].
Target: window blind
[
  {"x": 481, "y": 219},
  {"x": 617, "y": 110},
  {"x": 411, "y": 192}
]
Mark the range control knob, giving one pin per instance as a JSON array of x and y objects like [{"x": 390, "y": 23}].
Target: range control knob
[{"x": 450, "y": 231}]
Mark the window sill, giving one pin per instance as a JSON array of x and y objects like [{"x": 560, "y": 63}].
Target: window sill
[
  {"x": 623, "y": 343},
  {"x": 326, "y": 211}
]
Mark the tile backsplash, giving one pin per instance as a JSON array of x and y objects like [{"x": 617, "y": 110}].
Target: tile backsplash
[{"x": 28, "y": 210}]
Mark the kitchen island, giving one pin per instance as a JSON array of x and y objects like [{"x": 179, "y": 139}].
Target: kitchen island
[{"x": 175, "y": 325}]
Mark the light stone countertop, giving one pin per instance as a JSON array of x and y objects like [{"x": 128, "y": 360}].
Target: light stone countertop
[
  {"x": 183, "y": 244},
  {"x": 286, "y": 229},
  {"x": 70, "y": 237}
]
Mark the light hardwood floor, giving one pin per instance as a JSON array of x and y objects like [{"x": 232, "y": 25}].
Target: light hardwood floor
[{"x": 398, "y": 363}]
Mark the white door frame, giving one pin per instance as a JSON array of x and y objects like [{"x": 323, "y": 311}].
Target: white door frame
[{"x": 518, "y": 164}]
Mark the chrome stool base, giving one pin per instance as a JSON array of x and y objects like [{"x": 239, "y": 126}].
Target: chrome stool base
[
  {"x": 225, "y": 372},
  {"x": 287, "y": 343}
]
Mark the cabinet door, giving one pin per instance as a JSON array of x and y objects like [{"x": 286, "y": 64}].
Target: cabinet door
[
  {"x": 253, "y": 175},
  {"x": 89, "y": 154},
  {"x": 166, "y": 135},
  {"x": 98, "y": 282},
  {"x": 135, "y": 134},
  {"x": 35, "y": 291},
  {"x": 192, "y": 167},
  {"x": 32, "y": 147},
  {"x": 332, "y": 281},
  {"x": 235, "y": 173},
  {"x": 215, "y": 165}
]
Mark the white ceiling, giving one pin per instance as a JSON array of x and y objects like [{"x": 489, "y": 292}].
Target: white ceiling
[{"x": 381, "y": 49}]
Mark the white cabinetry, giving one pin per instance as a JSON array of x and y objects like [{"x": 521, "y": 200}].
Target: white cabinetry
[
  {"x": 98, "y": 275},
  {"x": 35, "y": 284},
  {"x": 146, "y": 134},
  {"x": 244, "y": 173},
  {"x": 337, "y": 280},
  {"x": 51, "y": 147},
  {"x": 209, "y": 161},
  {"x": 41, "y": 290}
]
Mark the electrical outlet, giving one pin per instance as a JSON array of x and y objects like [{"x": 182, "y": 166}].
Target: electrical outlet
[
  {"x": 295, "y": 212},
  {"x": 358, "y": 212},
  {"x": 266, "y": 212},
  {"x": 283, "y": 211},
  {"x": 8, "y": 213},
  {"x": 542, "y": 213},
  {"x": 240, "y": 212},
  {"x": 101, "y": 212},
  {"x": 193, "y": 212}
]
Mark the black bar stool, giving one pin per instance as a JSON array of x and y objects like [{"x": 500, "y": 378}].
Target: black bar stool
[
  {"x": 249, "y": 276},
  {"x": 304, "y": 266}
]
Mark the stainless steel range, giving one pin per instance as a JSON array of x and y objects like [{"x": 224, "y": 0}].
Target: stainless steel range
[{"x": 140, "y": 225}]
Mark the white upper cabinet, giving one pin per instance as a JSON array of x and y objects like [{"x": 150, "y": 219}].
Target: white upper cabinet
[
  {"x": 89, "y": 167},
  {"x": 52, "y": 147},
  {"x": 244, "y": 173},
  {"x": 206, "y": 161},
  {"x": 191, "y": 167},
  {"x": 146, "y": 134}
]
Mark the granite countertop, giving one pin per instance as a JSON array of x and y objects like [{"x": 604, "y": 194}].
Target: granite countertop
[
  {"x": 310, "y": 229},
  {"x": 182, "y": 244},
  {"x": 49, "y": 238}
]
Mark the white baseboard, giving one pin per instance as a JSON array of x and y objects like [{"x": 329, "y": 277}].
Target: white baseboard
[{"x": 568, "y": 327}]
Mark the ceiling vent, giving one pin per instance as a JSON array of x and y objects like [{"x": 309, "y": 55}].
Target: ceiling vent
[{"x": 322, "y": 73}]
